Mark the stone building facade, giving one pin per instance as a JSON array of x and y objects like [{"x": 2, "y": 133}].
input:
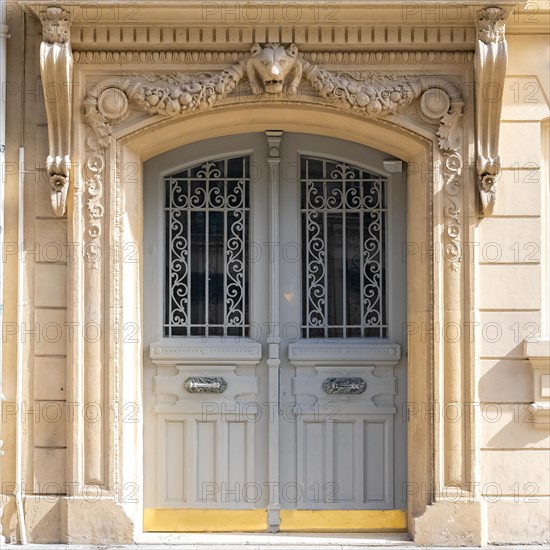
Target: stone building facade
[{"x": 276, "y": 267}]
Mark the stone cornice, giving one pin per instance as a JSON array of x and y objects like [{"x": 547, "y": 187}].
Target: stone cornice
[{"x": 266, "y": 12}]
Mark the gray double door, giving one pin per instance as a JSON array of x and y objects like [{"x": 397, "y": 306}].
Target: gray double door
[{"x": 274, "y": 314}]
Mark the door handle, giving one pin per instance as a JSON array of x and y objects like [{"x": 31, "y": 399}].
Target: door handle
[
  {"x": 344, "y": 386},
  {"x": 204, "y": 384}
]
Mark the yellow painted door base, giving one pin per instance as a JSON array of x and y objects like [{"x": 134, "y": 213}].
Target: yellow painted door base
[
  {"x": 344, "y": 521},
  {"x": 180, "y": 520}
]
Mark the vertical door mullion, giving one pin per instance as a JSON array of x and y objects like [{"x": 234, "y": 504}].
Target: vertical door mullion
[
  {"x": 206, "y": 251},
  {"x": 171, "y": 240},
  {"x": 325, "y": 255},
  {"x": 225, "y": 259},
  {"x": 243, "y": 253},
  {"x": 344, "y": 256}
]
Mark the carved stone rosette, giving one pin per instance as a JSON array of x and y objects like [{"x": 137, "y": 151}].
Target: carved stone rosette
[
  {"x": 490, "y": 69},
  {"x": 56, "y": 68}
]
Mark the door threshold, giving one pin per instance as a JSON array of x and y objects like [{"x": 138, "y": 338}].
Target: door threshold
[{"x": 279, "y": 541}]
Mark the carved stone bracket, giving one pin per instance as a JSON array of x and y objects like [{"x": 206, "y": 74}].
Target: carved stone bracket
[
  {"x": 490, "y": 68},
  {"x": 56, "y": 67}
]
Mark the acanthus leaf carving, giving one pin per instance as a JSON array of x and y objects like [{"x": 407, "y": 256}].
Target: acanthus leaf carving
[
  {"x": 491, "y": 57},
  {"x": 55, "y": 25},
  {"x": 450, "y": 129}
]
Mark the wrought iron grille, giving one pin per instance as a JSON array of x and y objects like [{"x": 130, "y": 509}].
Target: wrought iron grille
[
  {"x": 343, "y": 211},
  {"x": 206, "y": 249}
]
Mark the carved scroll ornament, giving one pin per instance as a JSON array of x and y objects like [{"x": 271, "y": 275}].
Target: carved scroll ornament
[
  {"x": 490, "y": 69},
  {"x": 56, "y": 68}
]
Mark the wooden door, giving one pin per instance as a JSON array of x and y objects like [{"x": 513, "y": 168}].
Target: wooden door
[{"x": 274, "y": 300}]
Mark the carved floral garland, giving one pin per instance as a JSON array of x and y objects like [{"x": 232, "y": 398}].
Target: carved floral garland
[{"x": 269, "y": 69}]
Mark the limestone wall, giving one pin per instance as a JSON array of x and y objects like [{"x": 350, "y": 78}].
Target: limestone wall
[
  {"x": 513, "y": 305},
  {"x": 42, "y": 331}
]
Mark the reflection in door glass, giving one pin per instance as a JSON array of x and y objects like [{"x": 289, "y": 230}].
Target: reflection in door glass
[{"x": 343, "y": 211}]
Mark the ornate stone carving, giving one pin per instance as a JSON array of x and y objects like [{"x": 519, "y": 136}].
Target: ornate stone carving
[
  {"x": 270, "y": 69},
  {"x": 272, "y": 66},
  {"x": 55, "y": 25},
  {"x": 56, "y": 67},
  {"x": 112, "y": 103},
  {"x": 452, "y": 172},
  {"x": 171, "y": 95},
  {"x": 371, "y": 95},
  {"x": 491, "y": 24},
  {"x": 490, "y": 68},
  {"x": 446, "y": 105}
]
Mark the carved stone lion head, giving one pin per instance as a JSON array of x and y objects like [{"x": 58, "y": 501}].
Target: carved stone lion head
[{"x": 273, "y": 67}]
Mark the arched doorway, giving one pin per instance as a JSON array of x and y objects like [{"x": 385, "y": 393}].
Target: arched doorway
[{"x": 274, "y": 352}]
